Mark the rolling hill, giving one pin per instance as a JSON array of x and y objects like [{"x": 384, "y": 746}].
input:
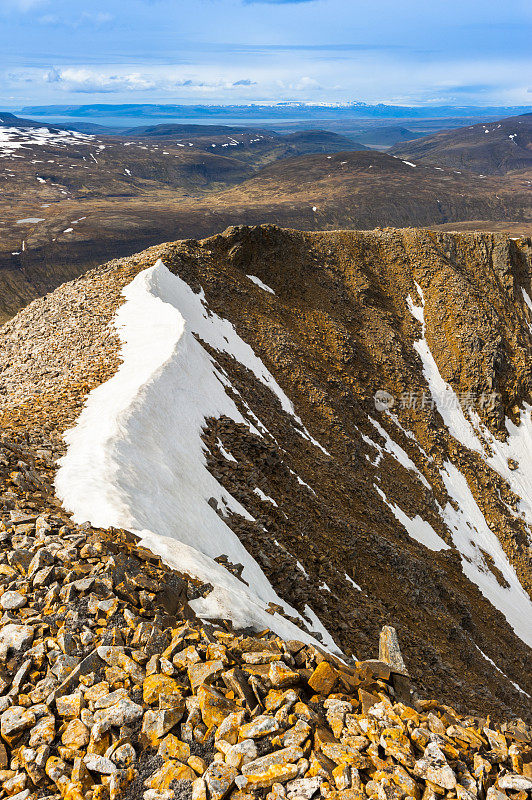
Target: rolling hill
[
  {"x": 70, "y": 199},
  {"x": 494, "y": 148}
]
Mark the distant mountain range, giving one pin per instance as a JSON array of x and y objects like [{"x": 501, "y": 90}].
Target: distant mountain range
[{"x": 280, "y": 110}]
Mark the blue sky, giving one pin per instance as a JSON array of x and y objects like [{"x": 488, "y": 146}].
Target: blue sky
[{"x": 237, "y": 51}]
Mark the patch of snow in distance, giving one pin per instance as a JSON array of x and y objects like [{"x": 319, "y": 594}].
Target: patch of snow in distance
[
  {"x": 259, "y": 283},
  {"x": 417, "y": 528},
  {"x": 265, "y": 497},
  {"x": 359, "y": 588}
]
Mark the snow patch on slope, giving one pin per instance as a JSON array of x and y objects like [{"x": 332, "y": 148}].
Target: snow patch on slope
[
  {"x": 351, "y": 581},
  {"x": 417, "y": 528},
  {"x": 528, "y": 301},
  {"x": 473, "y": 434},
  {"x": 518, "y": 447},
  {"x": 469, "y": 530},
  {"x": 228, "y": 456},
  {"x": 397, "y": 452},
  {"x": 441, "y": 392},
  {"x": 471, "y": 535},
  {"x": 408, "y": 434},
  {"x": 135, "y": 457},
  {"x": 13, "y": 138},
  {"x": 515, "y": 685},
  {"x": 260, "y": 284},
  {"x": 265, "y": 497}
]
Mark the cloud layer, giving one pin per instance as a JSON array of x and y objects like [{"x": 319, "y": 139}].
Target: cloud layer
[{"x": 265, "y": 50}]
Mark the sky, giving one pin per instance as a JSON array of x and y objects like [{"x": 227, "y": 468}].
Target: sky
[{"x": 406, "y": 52}]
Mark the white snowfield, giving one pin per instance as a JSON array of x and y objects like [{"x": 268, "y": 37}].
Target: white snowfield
[
  {"x": 468, "y": 527},
  {"x": 13, "y": 139},
  {"x": 418, "y": 528},
  {"x": 135, "y": 458},
  {"x": 259, "y": 283}
]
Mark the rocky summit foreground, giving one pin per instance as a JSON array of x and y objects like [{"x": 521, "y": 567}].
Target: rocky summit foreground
[
  {"x": 278, "y": 443},
  {"x": 113, "y": 688}
]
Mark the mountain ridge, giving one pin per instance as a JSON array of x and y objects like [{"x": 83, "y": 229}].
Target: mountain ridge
[
  {"x": 351, "y": 109},
  {"x": 494, "y": 148},
  {"x": 354, "y": 301}
]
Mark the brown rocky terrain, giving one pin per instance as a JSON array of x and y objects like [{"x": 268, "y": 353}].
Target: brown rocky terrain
[
  {"x": 336, "y": 331},
  {"x": 493, "y": 148},
  {"x": 71, "y": 201},
  {"x": 368, "y": 189},
  {"x": 112, "y": 687},
  {"x": 258, "y": 146}
]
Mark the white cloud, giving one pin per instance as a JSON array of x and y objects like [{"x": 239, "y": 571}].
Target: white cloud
[
  {"x": 85, "y": 19},
  {"x": 305, "y": 84},
  {"x": 54, "y": 75},
  {"x": 90, "y": 81},
  {"x": 21, "y": 5},
  {"x": 370, "y": 77}
]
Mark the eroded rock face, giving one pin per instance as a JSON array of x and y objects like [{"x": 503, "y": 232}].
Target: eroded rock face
[
  {"x": 156, "y": 705},
  {"x": 103, "y": 654},
  {"x": 336, "y": 332}
]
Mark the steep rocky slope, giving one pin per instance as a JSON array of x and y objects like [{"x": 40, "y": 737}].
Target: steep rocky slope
[
  {"x": 493, "y": 148},
  {"x": 276, "y": 443},
  {"x": 357, "y": 515}
]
